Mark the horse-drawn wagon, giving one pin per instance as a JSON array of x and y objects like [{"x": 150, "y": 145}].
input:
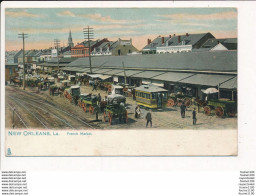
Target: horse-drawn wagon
[
  {"x": 115, "y": 108},
  {"x": 221, "y": 107}
]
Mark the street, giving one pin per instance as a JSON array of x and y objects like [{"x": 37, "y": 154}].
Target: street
[{"x": 39, "y": 110}]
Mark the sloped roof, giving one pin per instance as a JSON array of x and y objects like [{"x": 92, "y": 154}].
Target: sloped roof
[
  {"x": 191, "y": 39},
  {"x": 230, "y": 44},
  {"x": 201, "y": 61},
  {"x": 230, "y": 84},
  {"x": 173, "y": 76},
  {"x": 92, "y": 43},
  {"x": 157, "y": 42},
  {"x": 61, "y": 60},
  {"x": 206, "y": 79},
  {"x": 148, "y": 74}
]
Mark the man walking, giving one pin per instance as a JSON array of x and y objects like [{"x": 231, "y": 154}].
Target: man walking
[
  {"x": 94, "y": 86},
  {"x": 149, "y": 118},
  {"x": 182, "y": 110},
  {"x": 194, "y": 116}
]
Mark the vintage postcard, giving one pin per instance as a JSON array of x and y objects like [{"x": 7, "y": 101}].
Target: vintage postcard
[{"x": 98, "y": 81}]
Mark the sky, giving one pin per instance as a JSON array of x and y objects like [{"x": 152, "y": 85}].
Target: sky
[{"x": 43, "y": 25}]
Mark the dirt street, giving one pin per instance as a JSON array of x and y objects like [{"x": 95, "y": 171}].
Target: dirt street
[{"x": 35, "y": 109}]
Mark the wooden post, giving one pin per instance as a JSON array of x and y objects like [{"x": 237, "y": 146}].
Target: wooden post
[
  {"x": 219, "y": 91},
  {"x": 232, "y": 95}
]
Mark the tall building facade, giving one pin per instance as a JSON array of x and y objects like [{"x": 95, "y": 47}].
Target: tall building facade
[{"x": 70, "y": 42}]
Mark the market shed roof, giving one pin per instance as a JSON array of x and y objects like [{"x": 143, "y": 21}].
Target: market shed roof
[
  {"x": 128, "y": 73},
  {"x": 102, "y": 71},
  {"x": 113, "y": 72},
  {"x": 230, "y": 84},
  {"x": 148, "y": 74},
  {"x": 206, "y": 79},
  {"x": 173, "y": 76},
  {"x": 224, "y": 61}
]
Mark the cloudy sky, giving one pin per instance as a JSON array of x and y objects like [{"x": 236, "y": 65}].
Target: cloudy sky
[{"x": 44, "y": 25}]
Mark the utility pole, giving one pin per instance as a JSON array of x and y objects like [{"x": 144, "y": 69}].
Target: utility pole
[
  {"x": 57, "y": 44},
  {"x": 124, "y": 74},
  {"x": 23, "y": 36},
  {"x": 88, "y": 34}
]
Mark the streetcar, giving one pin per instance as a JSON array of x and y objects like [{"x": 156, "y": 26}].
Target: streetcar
[{"x": 151, "y": 96}]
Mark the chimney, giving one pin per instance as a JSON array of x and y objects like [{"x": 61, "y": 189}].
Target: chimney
[
  {"x": 162, "y": 40},
  {"x": 149, "y": 41},
  {"x": 174, "y": 35},
  {"x": 170, "y": 36},
  {"x": 179, "y": 39},
  {"x": 187, "y": 34}
]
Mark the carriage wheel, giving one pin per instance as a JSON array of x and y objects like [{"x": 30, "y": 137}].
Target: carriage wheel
[
  {"x": 126, "y": 117},
  {"x": 79, "y": 103},
  {"x": 105, "y": 117},
  {"x": 207, "y": 110},
  {"x": 171, "y": 103},
  {"x": 110, "y": 118},
  {"x": 219, "y": 111},
  {"x": 91, "y": 109},
  {"x": 84, "y": 107},
  {"x": 187, "y": 102}
]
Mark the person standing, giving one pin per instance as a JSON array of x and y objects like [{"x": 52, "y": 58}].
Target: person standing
[
  {"x": 136, "y": 115},
  {"x": 99, "y": 98},
  {"x": 149, "y": 118},
  {"x": 138, "y": 111},
  {"x": 94, "y": 86},
  {"x": 194, "y": 116},
  {"x": 182, "y": 110}
]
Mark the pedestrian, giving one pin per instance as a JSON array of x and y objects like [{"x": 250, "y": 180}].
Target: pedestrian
[
  {"x": 136, "y": 114},
  {"x": 182, "y": 110},
  {"x": 98, "y": 99},
  {"x": 133, "y": 94},
  {"x": 94, "y": 86},
  {"x": 138, "y": 111},
  {"x": 149, "y": 118},
  {"x": 194, "y": 116}
]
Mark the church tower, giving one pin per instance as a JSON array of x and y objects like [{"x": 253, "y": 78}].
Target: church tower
[{"x": 70, "y": 42}]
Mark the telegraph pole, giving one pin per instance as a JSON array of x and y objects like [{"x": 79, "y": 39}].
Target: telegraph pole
[
  {"x": 23, "y": 36},
  {"x": 88, "y": 34},
  {"x": 57, "y": 44}
]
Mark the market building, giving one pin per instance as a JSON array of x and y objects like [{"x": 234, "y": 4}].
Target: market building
[{"x": 190, "y": 72}]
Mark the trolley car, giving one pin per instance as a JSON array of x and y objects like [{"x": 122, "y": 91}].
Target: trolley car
[{"x": 151, "y": 96}]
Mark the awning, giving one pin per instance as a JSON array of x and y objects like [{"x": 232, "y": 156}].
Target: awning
[
  {"x": 173, "y": 76},
  {"x": 128, "y": 73},
  {"x": 230, "y": 84},
  {"x": 158, "y": 83},
  {"x": 102, "y": 71},
  {"x": 206, "y": 79},
  {"x": 148, "y": 74},
  {"x": 104, "y": 77},
  {"x": 94, "y": 75},
  {"x": 146, "y": 81},
  {"x": 114, "y": 72},
  {"x": 81, "y": 74}
]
